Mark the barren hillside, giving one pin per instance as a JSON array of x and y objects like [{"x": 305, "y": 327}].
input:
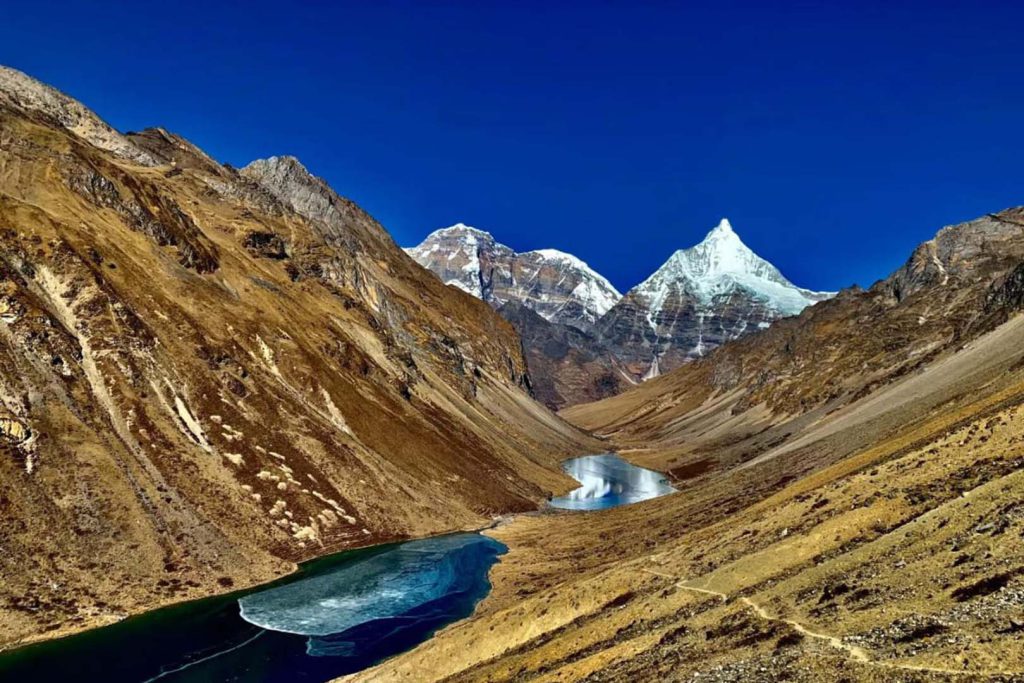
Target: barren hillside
[
  {"x": 208, "y": 375},
  {"x": 849, "y": 506}
]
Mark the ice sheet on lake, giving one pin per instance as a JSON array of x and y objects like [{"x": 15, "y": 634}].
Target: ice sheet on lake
[{"x": 392, "y": 586}]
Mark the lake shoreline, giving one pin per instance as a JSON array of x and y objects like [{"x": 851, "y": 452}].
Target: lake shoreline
[
  {"x": 12, "y": 647},
  {"x": 12, "y": 651}
]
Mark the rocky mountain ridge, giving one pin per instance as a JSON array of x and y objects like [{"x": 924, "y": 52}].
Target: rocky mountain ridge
[
  {"x": 558, "y": 286},
  {"x": 700, "y": 298},
  {"x": 208, "y": 375}
]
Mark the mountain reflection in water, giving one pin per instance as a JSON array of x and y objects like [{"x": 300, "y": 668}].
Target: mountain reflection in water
[{"x": 607, "y": 481}]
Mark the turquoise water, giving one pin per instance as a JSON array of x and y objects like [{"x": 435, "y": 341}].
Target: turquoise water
[
  {"x": 607, "y": 481},
  {"x": 338, "y": 615}
]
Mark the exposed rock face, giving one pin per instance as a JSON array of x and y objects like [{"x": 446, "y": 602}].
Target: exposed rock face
[
  {"x": 557, "y": 286},
  {"x": 699, "y": 299},
  {"x": 958, "y": 250},
  {"x": 552, "y": 298},
  {"x": 206, "y": 375},
  {"x": 29, "y": 95},
  {"x": 342, "y": 221},
  {"x": 167, "y": 148},
  {"x": 567, "y": 365}
]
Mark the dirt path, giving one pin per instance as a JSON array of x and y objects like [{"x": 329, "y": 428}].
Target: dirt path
[
  {"x": 679, "y": 584},
  {"x": 858, "y": 654}
]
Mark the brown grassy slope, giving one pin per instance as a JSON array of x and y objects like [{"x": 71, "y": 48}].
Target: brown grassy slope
[
  {"x": 874, "y": 536},
  {"x": 758, "y": 392},
  {"x": 894, "y": 550},
  {"x": 201, "y": 383}
]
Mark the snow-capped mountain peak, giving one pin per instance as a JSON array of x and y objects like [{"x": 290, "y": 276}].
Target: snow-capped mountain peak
[
  {"x": 556, "y": 255},
  {"x": 725, "y": 251},
  {"x": 700, "y": 298},
  {"x": 558, "y": 286},
  {"x": 722, "y": 232},
  {"x": 720, "y": 263},
  {"x": 721, "y": 251},
  {"x": 461, "y": 228}
]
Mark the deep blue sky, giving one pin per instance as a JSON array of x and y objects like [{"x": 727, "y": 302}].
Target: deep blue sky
[{"x": 835, "y": 136}]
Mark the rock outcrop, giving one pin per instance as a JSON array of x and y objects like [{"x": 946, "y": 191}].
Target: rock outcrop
[{"x": 567, "y": 365}]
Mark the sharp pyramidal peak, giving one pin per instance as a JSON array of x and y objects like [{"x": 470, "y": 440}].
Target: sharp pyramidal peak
[
  {"x": 209, "y": 375},
  {"x": 700, "y": 298}
]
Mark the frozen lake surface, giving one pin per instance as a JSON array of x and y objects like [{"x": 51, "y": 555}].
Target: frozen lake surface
[
  {"x": 406, "y": 592},
  {"x": 337, "y": 615},
  {"x": 607, "y": 481}
]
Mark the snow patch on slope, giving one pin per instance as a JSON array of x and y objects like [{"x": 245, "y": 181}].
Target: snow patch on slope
[{"x": 595, "y": 291}]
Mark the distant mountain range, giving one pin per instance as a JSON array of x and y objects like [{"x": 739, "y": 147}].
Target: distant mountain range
[{"x": 700, "y": 298}]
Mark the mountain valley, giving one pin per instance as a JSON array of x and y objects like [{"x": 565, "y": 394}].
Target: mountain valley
[
  {"x": 849, "y": 505},
  {"x": 587, "y": 341},
  {"x": 212, "y": 375}
]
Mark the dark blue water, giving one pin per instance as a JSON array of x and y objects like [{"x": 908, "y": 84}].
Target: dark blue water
[
  {"x": 607, "y": 481},
  {"x": 338, "y": 615}
]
